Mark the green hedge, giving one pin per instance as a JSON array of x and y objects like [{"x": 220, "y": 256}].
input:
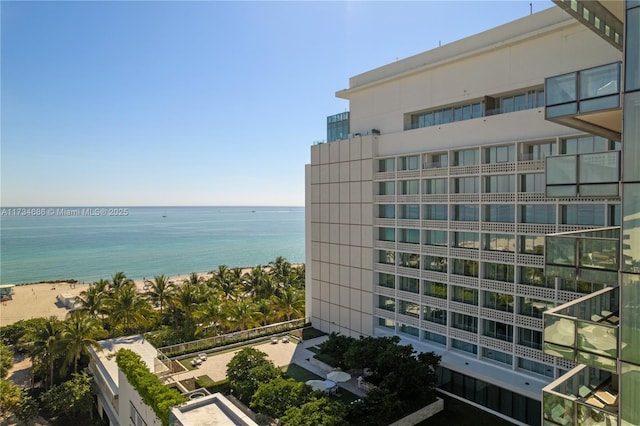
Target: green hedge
[{"x": 156, "y": 395}]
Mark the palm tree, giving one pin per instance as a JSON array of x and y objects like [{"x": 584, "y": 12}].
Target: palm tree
[
  {"x": 289, "y": 304},
  {"x": 78, "y": 332},
  {"x": 160, "y": 291},
  {"x": 127, "y": 308},
  {"x": 193, "y": 279},
  {"x": 242, "y": 315},
  {"x": 211, "y": 313},
  {"x": 184, "y": 302},
  {"x": 119, "y": 279},
  {"x": 252, "y": 280},
  {"x": 264, "y": 308},
  {"x": 280, "y": 268},
  {"x": 46, "y": 346},
  {"x": 92, "y": 300}
]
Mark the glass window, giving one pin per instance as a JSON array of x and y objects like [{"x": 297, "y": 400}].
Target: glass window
[
  {"x": 492, "y": 354},
  {"x": 468, "y": 157},
  {"x": 534, "y": 213},
  {"x": 386, "y": 188},
  {"x": 537, "y": 151},
  {"x": 386, "y": 211},
  {"x": 466, "y": 185},
  {"x": 435, "y": 263},
  {"x": 386, "y": 165},
  {"x": 434, "y": 337},
  {"x": 409, "y": 187},
  {"x": 535, "y": 276},
  {"x": 408, "y": 329},
  {"x": 465, "y": 295},
  {"x": 409, "y": 163},
  {"x": 476, "y": 110},
  {"x": 435, "y": 238},
  {"x": 500, "y": 183},
  {"x": 533, "y": 307},
  {"x": 632, "y": 61},
  {"x": 435, "y": 186},
  {"x": 409, "y": 308},
  {"x": 530, "y": 338},
  {"x": 583, "y": 214},
  {"x": 614, "y": 215},
  {"x": 499, "y": 272},
  {"x": 535, "y": 367},
  {"x": 464, "y": 346},
  {"x": 464, "y": 322},
  {"x": 387, "y": 303},
  {"x": 386, "y": 280},
  {"x": 466, "y": 240},
  {"x": 499, "y": 242},
  {"x": 497, "y": 330},
  {"x": 498, "y": 301},
  {"x": 586, "y": 145},
  {"x": 436, "y": 315},
  {"x": 411, "y": 236},
  {"x": 499, "y": 213},
  {"x": 435, "y": 211},
  {"x": 468, "y": 268},
  {"x": 387, "y": 256},
  {"x": 386, "y": 234},
  {"x": 465, "y": 212},
  {"x": 408, "y": 211},
  {"x": 499, "y": 154},
  {"x": 435, "y": 289},
  {"x": 409, "y": 260},
  {"x": 386, "y": 323},
  {"x": 532, "y": 182},
  {"x": 409, "y": 284},
  {"x": 531, "y": 244}
]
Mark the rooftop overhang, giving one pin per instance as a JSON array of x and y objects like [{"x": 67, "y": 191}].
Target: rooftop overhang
[{"x": 607, "y": 124}]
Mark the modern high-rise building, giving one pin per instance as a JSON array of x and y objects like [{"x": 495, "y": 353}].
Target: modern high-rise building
[{"x": 479, "y": 185}]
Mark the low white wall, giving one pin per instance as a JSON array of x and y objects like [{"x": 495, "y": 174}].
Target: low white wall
[{"x": 422, "y": 414}]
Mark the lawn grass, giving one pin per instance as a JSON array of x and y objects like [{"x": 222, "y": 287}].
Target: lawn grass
[
  {"x": 314, "y": 349},
  {"x": 186, "y": 363},
  {"x": 459, "y": 413}
]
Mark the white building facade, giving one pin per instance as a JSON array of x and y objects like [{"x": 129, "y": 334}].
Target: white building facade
[{"x": 429, "y": 220}]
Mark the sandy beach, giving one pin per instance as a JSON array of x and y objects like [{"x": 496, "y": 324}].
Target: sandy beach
[{"x": 41, "y": 300}]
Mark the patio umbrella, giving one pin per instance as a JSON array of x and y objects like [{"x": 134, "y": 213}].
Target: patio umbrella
[
  {"x": 339, "y": 376},
  {"x": 318, "y": 385}
]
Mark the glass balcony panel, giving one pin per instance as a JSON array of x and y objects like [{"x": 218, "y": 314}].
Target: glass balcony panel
[
  {"x": 560, "y": 272},
  {"x": 560, "y": 251},
  {"x": 559, "y": 330},
  {"x": 609, "y": 278},
  {"x": 559, "y": 351},
  {"x": 597, "y": 253},
  {"x": 595, "y": 190},
  {"x": 561, "y": 170},
  {"x": 629, "y": 391},
  {"x": 600, "y": 104},
  {"x": 557, "y": 409},
  {"x": 598, "y": 339},
  {"x": 562, "y": 191},
  {"x": 561, "y": 89},
  {"x": 599, "y": 167},
  {"x": 631, "y": 230},
  {"x": 561, "y": 110},
  {"x": 630, "y": 322},
  {"x": 600, "y": 81},
  {"x": 596, "y": 361},
  {"x": 590, "y": 416}
]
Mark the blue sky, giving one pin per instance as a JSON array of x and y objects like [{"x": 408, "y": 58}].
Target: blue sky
[{"x": 194, "y": 103}]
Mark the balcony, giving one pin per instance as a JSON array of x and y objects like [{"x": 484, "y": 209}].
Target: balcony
[
  {"x": 591, "y": 256},
  {"x": 584, "y": 396},
  {"x": 585, "y": 330},
  {"x": 583, "y": 175},
  {"x": 587, "y": 100}
]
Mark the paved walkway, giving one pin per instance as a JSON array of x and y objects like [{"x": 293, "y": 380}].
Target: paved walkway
[{"x": 282, "y": 354}]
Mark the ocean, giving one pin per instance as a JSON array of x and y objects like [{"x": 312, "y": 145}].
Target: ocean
[{"x": 87, "y": 244}]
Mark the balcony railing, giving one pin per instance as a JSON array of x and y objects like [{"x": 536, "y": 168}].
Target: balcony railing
[
  {"x": 583, "y": 94},
  {"x": 583, "y": 175},
  {"x": 591, "y": 256},
  {"x": 583, "y": 396},
  {"x": 585, "y": 330}
]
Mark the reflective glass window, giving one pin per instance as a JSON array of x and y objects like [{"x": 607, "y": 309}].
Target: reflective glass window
[
  {"x": 499, "y": 213},
  {"x": 499, "y": 242},
  {"x": 465, "y": 295},
  {"x": 465, "y": 212},
  {"x": 387, "y": 211},
  {"x": 435, "y": 289},
  {"x": 435, "y": 238},
  {"x": 411, "y": 236},
  {"x": 435, "y": 211},
  {"x": 466, "y": 240},
  {"x": 408, "y": 211},
  {"x": 386, "y": 234},
  {"x": 409, "y": 284},
  {"x": 531, "y": 244}
]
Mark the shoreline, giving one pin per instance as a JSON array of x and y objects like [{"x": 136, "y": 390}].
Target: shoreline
[{"x": 46, "y": 298}]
